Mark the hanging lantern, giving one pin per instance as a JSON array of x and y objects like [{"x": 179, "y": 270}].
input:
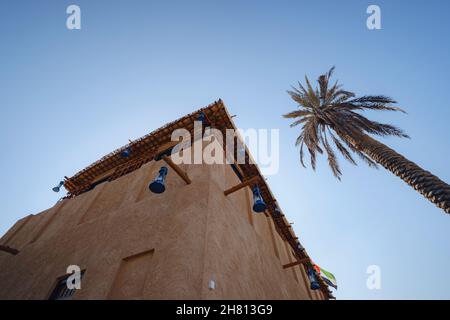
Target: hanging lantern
[
  {"x": 314, "y": 284},
  {"x": 277, "y": 210},
  {"x": 58, "y": 187},
  {"x": 157, "y": 186},
  {"x": 258, "y": 202},
  {"x": 125, "y": 153},
  {"x": 201, "y": 117}
]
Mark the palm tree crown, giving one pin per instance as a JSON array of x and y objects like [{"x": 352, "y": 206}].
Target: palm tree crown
[{"x": 331, "y": 113}]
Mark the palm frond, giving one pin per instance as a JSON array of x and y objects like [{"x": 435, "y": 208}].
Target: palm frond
[
  {"x": 296, "y": 114},
  {"x": 342, "y": 149},
  {"x": 332, "y": 160},
  {"x": 329, "y": 108}
]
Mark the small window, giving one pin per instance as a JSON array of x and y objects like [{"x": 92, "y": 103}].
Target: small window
[{"x": 61, "y": 291}]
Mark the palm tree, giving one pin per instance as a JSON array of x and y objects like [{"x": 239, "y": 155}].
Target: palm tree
[{"x": 329, "y": 113}]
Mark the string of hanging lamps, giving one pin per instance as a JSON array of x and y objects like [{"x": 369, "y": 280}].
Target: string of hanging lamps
[{"x": 158, "y": 186}]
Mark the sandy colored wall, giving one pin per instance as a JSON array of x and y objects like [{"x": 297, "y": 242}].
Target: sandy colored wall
[{"x": 134, "y": 244}]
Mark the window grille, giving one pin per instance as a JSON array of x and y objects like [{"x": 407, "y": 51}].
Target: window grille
[{"x": 61, "y": 291}]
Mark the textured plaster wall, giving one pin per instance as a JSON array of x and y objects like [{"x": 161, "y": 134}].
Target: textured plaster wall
[{"x": 134, "y": 244}]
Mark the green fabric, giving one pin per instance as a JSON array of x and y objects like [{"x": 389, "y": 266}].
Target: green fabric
[{"x": 329, "y": 275}]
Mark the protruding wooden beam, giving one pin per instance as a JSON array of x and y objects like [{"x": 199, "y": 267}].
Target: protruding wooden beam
[
  {"x": 296, "y": 263},
  {"x": 9, "y": 249},
  {"x": 177, "y": 169},
  {"x": 241, "y": 185}
]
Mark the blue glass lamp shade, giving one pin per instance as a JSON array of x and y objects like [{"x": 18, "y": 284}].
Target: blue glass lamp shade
[
  {"x": 201, "y": 117},
  {"x": 314, "y": 284},
  {"x": 58, "y": 187},
  {"x": 258, "y": 202},
  {"x": 125, "y": 153},
  {"x": 157, "y": 186}
]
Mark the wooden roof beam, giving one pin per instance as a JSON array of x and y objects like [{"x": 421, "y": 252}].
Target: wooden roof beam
[
  {"x": 177, "y": 169},
  {"x": 241, "y": 185},
  {"x": 9, "y": 250},
  {"x": 296, "y": 263}
]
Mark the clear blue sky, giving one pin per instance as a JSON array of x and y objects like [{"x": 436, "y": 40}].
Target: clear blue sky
[{"x": 69, "y": 97}]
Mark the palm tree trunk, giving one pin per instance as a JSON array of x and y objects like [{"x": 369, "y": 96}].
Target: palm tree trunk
[{"x": 430, "y": 186}]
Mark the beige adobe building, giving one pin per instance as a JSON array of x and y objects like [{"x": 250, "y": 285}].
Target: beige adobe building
[{"x": 190, "y": 242}]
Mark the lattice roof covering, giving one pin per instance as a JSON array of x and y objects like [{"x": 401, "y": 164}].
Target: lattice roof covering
[{"x": 146, "y": 148}]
